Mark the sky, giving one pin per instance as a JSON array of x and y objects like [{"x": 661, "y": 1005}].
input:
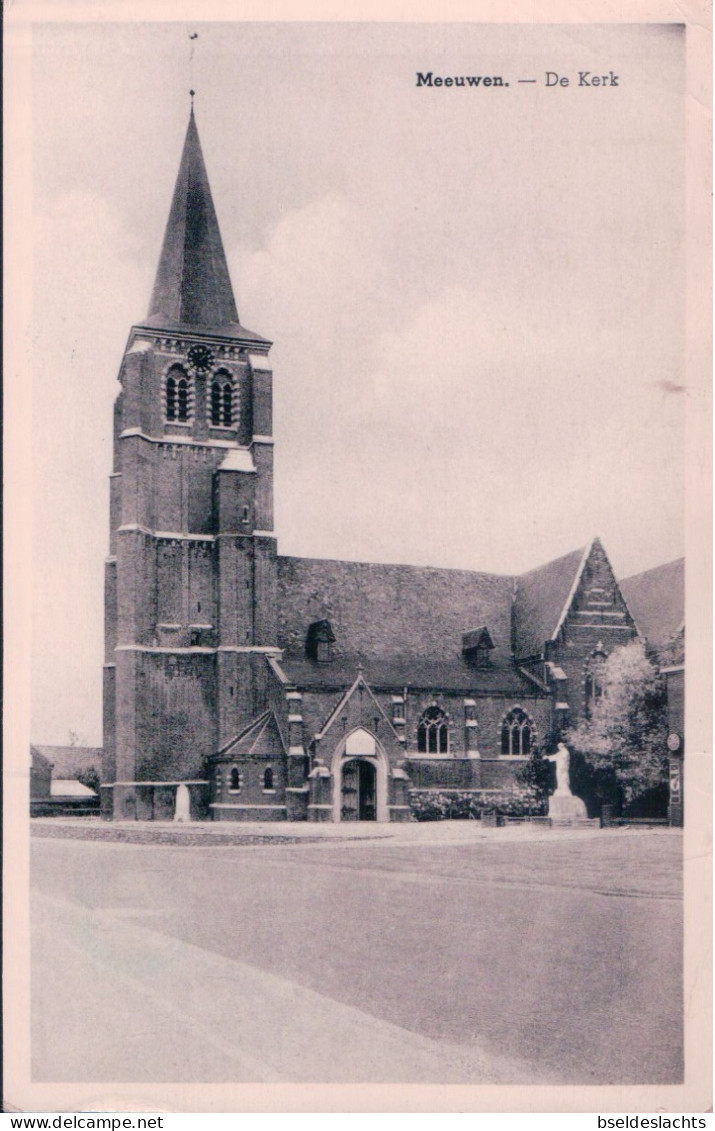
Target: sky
[{"x": 476, "y": 295}]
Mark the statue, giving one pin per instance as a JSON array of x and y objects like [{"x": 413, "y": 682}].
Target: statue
[
  {"x": 564, "y": 807},
  {"x": 561, "y": 759}
]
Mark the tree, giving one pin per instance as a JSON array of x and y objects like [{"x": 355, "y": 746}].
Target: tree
[
  {"x": 87, "y": 775},
  {"x": 537, "y": 775},
  {"x": 623, "y": 742}
]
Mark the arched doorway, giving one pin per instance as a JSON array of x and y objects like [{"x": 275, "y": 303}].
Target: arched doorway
[
  {"x": 358, "y": 790},
  {"x": 359, "y": 772}
]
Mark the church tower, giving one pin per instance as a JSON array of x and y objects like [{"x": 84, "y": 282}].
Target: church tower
[{"x": 190, "y": 585}]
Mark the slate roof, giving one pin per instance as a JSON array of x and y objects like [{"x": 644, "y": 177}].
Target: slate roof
[
  {"x": 407, "y": 624},
  {"x": 192, "y": 286},
  {"x": 656, "y": 599},
  {"x": 68, "y": 760},
  {"x": 392, "y": 612},
  {"x": 417, "y": 672},
  {"x": 261, "y": 738},
  {"x": 541, "y": 595},
  {"x": 230, "y": 330}
]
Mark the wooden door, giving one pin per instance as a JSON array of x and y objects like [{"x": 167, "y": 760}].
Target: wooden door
[
  {"x": 367, "y": 793},
  {"x": 350, "y": 792}
]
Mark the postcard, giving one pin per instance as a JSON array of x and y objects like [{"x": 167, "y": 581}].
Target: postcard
[{"x": 357, "y": 407}]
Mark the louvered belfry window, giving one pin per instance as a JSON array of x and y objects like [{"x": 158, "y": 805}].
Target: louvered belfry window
[
  {"x": 222, "y": 407},
  {"x": 177, "y": 396}
]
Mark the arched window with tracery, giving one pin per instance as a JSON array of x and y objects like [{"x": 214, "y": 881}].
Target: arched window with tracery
[
  {"x": 593, "y": 685},
  {"x": 268, "y": 779},
  {"x": 222, "y": 410},
  {"x": 177, "y": 395},
  {"x": 433, "y": 732},
  {"x": 235, "y": 780},
  {"x": 517, "y": 734}
]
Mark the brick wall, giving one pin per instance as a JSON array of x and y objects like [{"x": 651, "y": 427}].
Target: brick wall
[
  {"x": 176, "y": 715},
  {"x": 452, "y": 706},
  {"x": 443, "y": 773},
  {"x": 573, "y": 654},
  {"x": 489, "y": 713},
  {"x": 675, "y": 685},
  {"x": 498, "y": 773},
  {"x": 40, "y": 778},
  {"x": 597, "y": 616},
  {"x": 318, "y": 706},
  {"x": 108, "y": 771},
  {"x": 252, "y": 778}
]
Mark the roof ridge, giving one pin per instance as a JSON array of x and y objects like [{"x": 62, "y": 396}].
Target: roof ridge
[{"x": 399, "y": 565}]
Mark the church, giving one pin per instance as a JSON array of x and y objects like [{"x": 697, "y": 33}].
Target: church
[{"x": 282, "y": 688}]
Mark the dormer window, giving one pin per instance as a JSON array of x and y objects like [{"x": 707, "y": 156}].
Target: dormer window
[
  {"x": 319, "y": 642},
  {"x": 477, "y": 647}
]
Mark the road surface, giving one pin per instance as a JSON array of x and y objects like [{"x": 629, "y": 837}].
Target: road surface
[{"x": 516, "y": 961}]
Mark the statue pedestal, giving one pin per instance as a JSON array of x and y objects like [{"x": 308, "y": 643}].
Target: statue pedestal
[{"x": 565, "y": 809}]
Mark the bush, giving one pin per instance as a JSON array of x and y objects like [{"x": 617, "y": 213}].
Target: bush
[
  {"x": 537, "y": 775},
  {"x": 465, "y": 804}
]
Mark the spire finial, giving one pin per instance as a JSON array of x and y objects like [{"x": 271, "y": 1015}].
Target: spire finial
[{"x": 192, "y": 36}]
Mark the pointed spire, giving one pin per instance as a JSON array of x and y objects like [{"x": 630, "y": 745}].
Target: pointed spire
[{"x": 192, "y": 283}]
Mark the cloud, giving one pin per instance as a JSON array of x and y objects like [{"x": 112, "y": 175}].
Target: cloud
[
  {"x": 485, "y": 435},
  {"x": 321, "y": 266}
]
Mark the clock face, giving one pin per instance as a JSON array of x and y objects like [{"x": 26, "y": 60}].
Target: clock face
[{"x": 200, "y": 357}]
